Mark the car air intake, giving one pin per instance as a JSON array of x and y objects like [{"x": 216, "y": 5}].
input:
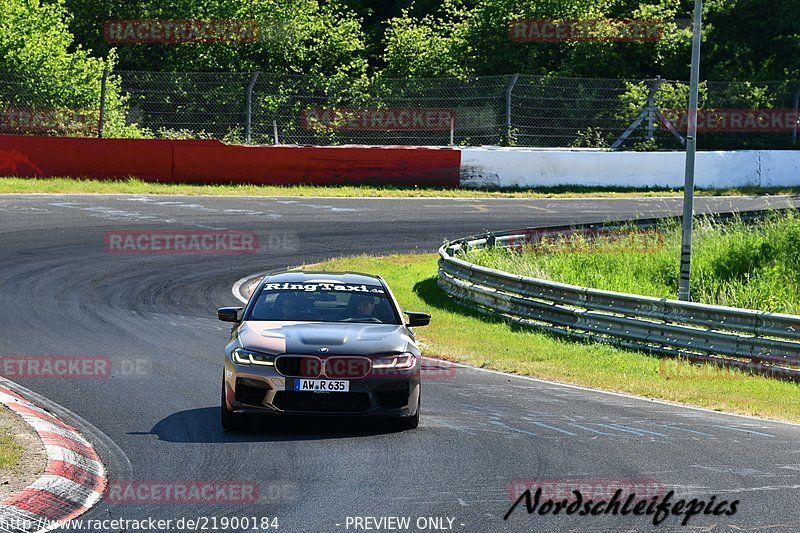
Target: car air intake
[
  {"x": 347, "y": 367},
  {"x": 393, "y": 396},
  {"x": 299, "y": 366},
  {"x": 251, "y": 391}
]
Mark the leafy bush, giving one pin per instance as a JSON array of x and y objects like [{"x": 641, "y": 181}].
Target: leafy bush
[{"x": 736, "y": 264}]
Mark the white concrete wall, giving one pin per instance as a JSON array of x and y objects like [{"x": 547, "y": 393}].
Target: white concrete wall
[{"x": 530, "y": 167}]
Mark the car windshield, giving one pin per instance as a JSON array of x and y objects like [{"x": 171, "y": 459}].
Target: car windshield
[{"x": 324, "y": 301}]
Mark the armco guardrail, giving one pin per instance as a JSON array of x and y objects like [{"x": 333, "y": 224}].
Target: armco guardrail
[{"x": 755, "y": 341}]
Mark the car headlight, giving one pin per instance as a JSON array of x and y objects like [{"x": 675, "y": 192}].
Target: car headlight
[
  {"x": 400, "y": 361},
  {"x": 243, "y": 356}
]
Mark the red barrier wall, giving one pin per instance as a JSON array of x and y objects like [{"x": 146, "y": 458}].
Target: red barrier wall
[{"x": 215, "y": 162}]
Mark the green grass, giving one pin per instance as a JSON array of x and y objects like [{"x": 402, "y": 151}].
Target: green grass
[
  {"x": 10, "y": 449},
  {"x": 459, "y": 334},
  {"x": 10, "y": 452},
  {"x": 15, "y": 185},
  {"x": 737, "y": 264}
]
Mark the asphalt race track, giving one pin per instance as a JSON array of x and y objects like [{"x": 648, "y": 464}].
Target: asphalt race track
[{"x": 156, "y": 416}]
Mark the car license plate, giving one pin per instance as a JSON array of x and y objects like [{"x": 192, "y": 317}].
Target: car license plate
[{"x": 321, "y": 385}]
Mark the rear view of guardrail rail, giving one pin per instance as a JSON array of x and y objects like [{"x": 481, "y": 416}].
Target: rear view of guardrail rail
[{"x": 755, "y": 341}]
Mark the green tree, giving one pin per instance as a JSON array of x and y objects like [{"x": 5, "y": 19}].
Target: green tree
[
  {"x": 474, "y": 38},
  {"x": 45, "y": 69},
  {"x": 306, "y": 37},
  {"x": 49, "y": 69},
  {"x": 752, "y": 40}
]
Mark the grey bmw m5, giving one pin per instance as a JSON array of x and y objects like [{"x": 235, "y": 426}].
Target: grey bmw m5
[{"x": 322, "y": 343}]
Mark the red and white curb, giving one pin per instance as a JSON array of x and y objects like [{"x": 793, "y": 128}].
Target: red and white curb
[{"x": 73, "y": 481}]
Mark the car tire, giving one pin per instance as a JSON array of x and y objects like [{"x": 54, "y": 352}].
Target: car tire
[{"x": 230, "y": 420}]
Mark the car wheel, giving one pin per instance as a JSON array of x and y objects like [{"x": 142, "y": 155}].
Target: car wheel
[{"x": 230, "y": 420}]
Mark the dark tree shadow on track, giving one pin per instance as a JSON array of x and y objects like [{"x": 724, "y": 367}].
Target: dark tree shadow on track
[
  {"x": 203, "y": 426},
  {"x": 429, "y": 292}
]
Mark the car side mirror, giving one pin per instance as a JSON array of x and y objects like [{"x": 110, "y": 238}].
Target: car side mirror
[
  {"x": 418, "y": 319},
  {"x": 230, "y": 314}
]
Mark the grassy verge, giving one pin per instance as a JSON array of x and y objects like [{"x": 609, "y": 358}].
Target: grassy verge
[
  {"x": 459, "y": 334},
  {"x": 10, "y": 452},
  {"x": 12, "y": 185},
  {"x": 10, "y": 449},
  {"x": 755, "y": 266}
]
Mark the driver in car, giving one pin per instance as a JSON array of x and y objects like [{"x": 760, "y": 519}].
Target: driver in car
[
  {"x": 294, "y": 307},
  {"x": 362, "y": 306}
]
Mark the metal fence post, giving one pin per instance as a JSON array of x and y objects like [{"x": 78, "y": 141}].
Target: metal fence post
[
  {"x": 510, "y": 88},
  {"x": 796, "y": 110},
  {"x": 649, "y": 113},
  {"x": 102, "y": 118},
  {"x": 651, "y": 108},
  {"x": 249, "y": 110}
]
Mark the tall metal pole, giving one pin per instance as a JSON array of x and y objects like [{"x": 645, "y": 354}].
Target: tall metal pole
[
  {"x": 101, "y": 121},
  {"x": 249, "y": 106},
  {"x": 509, "y": 89},
  {"x": 691, "y": 148},
  {"x": 795, "y": 116}
]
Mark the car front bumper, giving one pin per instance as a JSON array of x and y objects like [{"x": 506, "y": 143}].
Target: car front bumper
[{"x": 263, "y": 390}]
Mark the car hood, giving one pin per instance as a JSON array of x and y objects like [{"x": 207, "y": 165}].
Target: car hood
[{"x": 337, "y": 338}]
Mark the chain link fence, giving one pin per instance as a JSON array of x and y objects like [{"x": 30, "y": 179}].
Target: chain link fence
[{"x": 513, "y": 110}]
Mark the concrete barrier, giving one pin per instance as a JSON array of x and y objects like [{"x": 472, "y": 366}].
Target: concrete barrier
[
  {"x": 215, "y": 162},
  {"x": 528, "y": 167}
]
